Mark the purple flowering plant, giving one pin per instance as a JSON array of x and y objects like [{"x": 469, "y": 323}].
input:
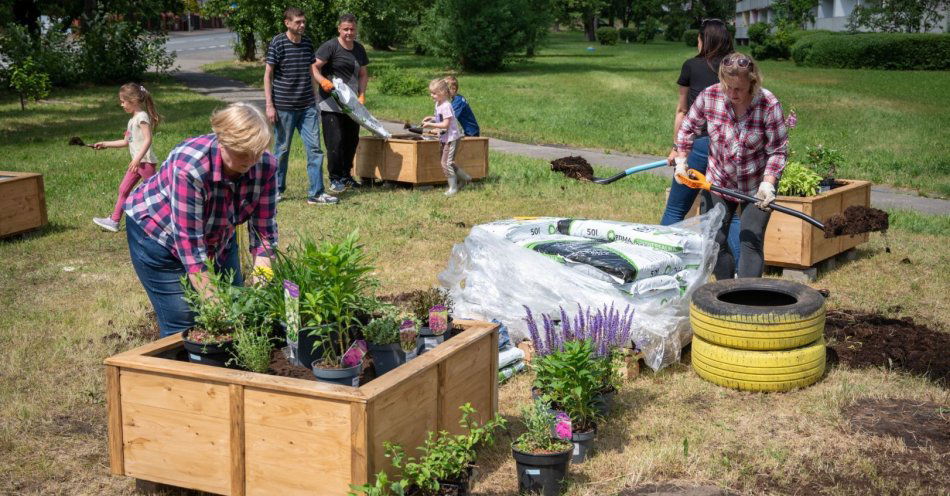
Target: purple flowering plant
[
  {"x": 439, "y": 319},
  {"x": 607, "y": 328},
  {"x": 408, "y": 330},
  {"x": 537, "y": 438}
]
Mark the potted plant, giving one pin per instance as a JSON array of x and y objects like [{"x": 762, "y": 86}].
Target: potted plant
[
  {"x": 433, "y": 334},
  {"x": 799, "y": 180},
  {"x": 542, "y": 460},
  {"x": 408, "y": 333},
  {"x": 445, "y": 467},
  {"x": 825, "y": 161},
  {"x": 217, "y": 314},
  {"x": 383, "y": 340}
]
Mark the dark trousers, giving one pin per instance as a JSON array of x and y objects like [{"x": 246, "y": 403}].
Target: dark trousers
[
  {"x": 752, "y": 224},
  {"x": 341, "y": 135},
  {"x": 160, "y": 273}
]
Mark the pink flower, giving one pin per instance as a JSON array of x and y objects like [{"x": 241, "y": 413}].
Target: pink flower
[
  {"x": 792, "y": 120},
  {"x": 563, "y": 430}
]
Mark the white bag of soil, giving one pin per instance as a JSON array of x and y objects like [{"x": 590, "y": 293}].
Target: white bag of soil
[
  {"x": 490, "y": 277},
  {"x": 685, "y": 244},
  {"x": 352, "y": 107}
]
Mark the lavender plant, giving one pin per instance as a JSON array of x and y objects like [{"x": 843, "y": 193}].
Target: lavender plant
[{"x": 607, "y": 328}]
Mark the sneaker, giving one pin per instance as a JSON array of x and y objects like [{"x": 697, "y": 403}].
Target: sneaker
[
  {"x": 323, "y": 199},
  {"x": 351, "y": 183},
  {"x": 280, "y": 197},
  {"x": 106, "y": 223},
  {"x": 337, "y": 186}
]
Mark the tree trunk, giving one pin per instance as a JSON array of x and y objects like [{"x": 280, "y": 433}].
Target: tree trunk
[
  {"x": 248, "y": 47},
  {"x": 22, "y": 102},
  {"x": 590, "y": 26}
]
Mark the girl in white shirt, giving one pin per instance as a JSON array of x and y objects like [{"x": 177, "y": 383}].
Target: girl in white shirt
[{"x": 445, "y": 120}]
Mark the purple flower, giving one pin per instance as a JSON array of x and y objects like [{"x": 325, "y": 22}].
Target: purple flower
[
  {"x": 792, "y": 120},
  {"x": 562, "y": 427},
  {"x": 439, "y": 319}
]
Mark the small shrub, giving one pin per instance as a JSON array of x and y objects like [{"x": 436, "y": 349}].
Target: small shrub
[
  {"x": 29, "y": 82},
  {"x": 607, "y": 36},
  {"x": 648, "y": 29},
  {"x": 674, "y": 30},
  {"x": 825, "y": 161},
  {"x": 892, "y": 51},
  {"x": 798, "y": 180},
  {"x": 691, "y": 37},
  {"x": 402, "y": 83},
  {"x": 120, "y": 51},
  {"x": 627, "y": 35},
  {"x": 252, "y": 348},
  {"x": 758, "y": 32}
]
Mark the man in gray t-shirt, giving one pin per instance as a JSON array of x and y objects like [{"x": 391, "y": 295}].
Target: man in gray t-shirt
[
  {"x": 288, "y": 91},
  {"x": 345, "y": 58}
]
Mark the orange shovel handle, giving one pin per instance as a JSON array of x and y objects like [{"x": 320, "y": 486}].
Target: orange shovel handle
[{"x": 694, "y": 179}]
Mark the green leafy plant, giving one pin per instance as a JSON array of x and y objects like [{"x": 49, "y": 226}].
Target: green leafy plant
[
  {"x": 383, "y": 330},
  {"x": 758, "y": 32},
  {"x": 607, "y": 36},
  {"x": 627, "y": 35},
  {"x": 571, "y": 378},
  {"x": 402, "y": 83},
  {"x": 825, "y": 161},
  {"x": 420, "y": 304},
  {"x": 252, "y": 348},
  {"x": 29, "y": 82},
  {"x": 798, "y": 180},
  {"x": 537, "y": 438},
  {"x": 217, "y": 312},
  {"x": 444, "y": 456},
  {"x": 381, "y": 487}
]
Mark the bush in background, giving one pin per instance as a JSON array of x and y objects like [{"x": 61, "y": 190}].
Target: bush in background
[
  {"x": 691, "y": 37},
  {"x": 648, "y": 29},
  {"x": 758, "y": 32},
  {"x": 627, "y": 35},
  {"x": 892, "y": 51},
  {"x": 607, "y": 36},
  {"x": 115, "y": 51},
  {"x": 402, "y": 83}
]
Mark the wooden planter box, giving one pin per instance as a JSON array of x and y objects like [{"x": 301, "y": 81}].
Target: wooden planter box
[
  {"x": 792, "y": 242},
  {"x": 416, "y": 162},
  {"x": 22, "y": 202},
  {"x": 233, "y": 432}
]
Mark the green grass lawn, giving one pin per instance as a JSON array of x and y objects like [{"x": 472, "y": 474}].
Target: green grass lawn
[
  {"x": 889, "y": 125},
  {"x": 69, "y": 298}
]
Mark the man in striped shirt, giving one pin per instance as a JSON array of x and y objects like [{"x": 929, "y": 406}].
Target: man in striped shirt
[{"x": 289, "y": 92}]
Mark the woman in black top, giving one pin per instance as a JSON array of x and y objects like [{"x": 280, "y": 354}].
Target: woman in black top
[
  {"x": 697, "y": 74},
  {"x": 345, "y": 58}
]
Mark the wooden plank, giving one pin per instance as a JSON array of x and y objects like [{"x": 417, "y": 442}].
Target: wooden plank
[
  {"x": 493, "y": 374},
  {"x": 22, "y": 202},
  {"x": 175, "y": 394},
  {"x": 368, "y": 161},
  {"x": 236, "y": 396},
  {"x": 148, "y": 349},
  {"x": 289, "y": 462},
  {"x": 176, "y": 447},
  {"x": 229, "y": 376},
  {"x": 114, "y": 405},
  {"x": 359, "y": 473},
  {"x": 440, "y": 402},
  {"x": 403, "y": 414},
  {"x": 295, "y": 412},
  {"x": 473, "y": 362}
]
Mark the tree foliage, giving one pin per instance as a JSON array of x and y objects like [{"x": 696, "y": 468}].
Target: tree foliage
[{"x": 892, "y": 16}]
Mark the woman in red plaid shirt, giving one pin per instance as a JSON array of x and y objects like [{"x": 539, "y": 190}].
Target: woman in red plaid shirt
[
  {"x": 183, "y": 219},
  {"x": 748, "y": 147}
]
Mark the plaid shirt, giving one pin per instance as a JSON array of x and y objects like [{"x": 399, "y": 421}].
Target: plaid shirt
[
  {"x": 191, "y": 207},
  {"x": 742, "y": 151}
]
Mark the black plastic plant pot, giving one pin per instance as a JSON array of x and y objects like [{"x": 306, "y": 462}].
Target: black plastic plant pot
[
  {"x": 344, "y": 377},
  {"x": 278, "y": 333},
  {"x": 427, "y": 340},
  {"x": 306, "y": 354},
  {"x": 386, "y": 357},
  {"x": 541, "y": 473},
  {"x": 214, "y": 354},
  {"x": 583, "y": 444},
  {"x": 458, "y": 486}
]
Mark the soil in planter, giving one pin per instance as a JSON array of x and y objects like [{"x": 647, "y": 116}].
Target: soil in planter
[
  {"x": 856, "y": 220},
  {"x": 872, "y": 340},
  {"x": 280, "y": 366},
  {"x": 574, "y": 168},
  {"x": 411, "y": 137}
]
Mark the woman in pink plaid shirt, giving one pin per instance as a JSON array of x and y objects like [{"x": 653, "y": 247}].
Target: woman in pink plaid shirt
[{"x": 748, "y": 147}]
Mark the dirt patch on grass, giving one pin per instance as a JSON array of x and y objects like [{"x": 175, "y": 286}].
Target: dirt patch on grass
[
  {"x": 574, "y": 168},
  {"x": 856, "y": 220},
  {"x": 676, "y": 490},
  {"x": 918, "y": 424},
  {"x": 873, "y": 340},
  {"x": 145, "y": 331}
]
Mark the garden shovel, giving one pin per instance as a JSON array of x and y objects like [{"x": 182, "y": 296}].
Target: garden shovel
[
  {"x": 632, "y": 170},
  {"x": 696, "y": 180}
]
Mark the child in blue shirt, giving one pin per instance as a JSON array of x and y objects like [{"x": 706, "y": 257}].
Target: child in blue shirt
[{"x": 463, "y": 113}]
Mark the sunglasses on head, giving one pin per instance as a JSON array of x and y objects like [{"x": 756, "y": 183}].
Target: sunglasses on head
[
  {"x": 739, "y": 62},
  {"x": 706, "y": 21}
]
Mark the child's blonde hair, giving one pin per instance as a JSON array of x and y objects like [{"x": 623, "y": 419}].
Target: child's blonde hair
[
  {"x": 134, "y": 92},
  {"x": 453, "y": 84},
  {"x": 242, "y": 129},
  {"x": 439, "y": 87}
]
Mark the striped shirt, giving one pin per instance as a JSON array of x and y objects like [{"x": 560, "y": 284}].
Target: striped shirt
[
  {"x": 741, "y": 151},
  {"x": 191, "y": 207},
  {"x": 292, "y": 86}
]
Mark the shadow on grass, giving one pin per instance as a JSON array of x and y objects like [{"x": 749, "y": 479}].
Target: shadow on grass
[{"x": 48, "y": 229}]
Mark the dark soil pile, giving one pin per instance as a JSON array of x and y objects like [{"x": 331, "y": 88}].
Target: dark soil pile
[
  {"x": 856, "y": 220},
  {"x": 919, "y": 424},
  {"x": 574, "y": 168},
  {"x": 280, "y": 366},
  {"x": 76, "y": 141},
  {"x": 412, "y": 137},
  {"x": 872, "y": 340}
]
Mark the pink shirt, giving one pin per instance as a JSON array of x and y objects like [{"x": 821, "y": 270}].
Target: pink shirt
[{"x": 443, "y": 111}]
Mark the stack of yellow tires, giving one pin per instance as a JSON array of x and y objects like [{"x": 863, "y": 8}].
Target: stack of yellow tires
[{"x": 758, "y": 334}]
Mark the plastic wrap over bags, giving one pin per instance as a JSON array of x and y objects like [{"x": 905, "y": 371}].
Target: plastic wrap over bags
[
  {"x": 352, "y": 107},
  {"x": 490, "y": 276}
]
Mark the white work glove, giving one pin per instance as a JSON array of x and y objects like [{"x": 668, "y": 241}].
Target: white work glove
[
  {"x": 766, "y": 195},
  {"x": 680, "y": 169}
]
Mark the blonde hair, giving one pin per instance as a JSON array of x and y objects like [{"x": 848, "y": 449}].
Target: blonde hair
[
  {"x": 439, "y": 86},
  {"x": 733, "y": 71},
  {"x": 134, "y": 92},
  {"x": 242, "y": 129},
  {"x": 453, "y": 83}
]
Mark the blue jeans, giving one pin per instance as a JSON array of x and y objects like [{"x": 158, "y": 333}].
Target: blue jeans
[
  {"x": 160, "y": 272},
  {"x": 307, "y": 121},
  {"x": 681, "y": 197}
]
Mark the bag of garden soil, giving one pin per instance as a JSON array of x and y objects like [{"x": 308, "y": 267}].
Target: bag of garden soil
[
  {"x": 685, "y": 244},
  {"x": 622, "y": 262},
  {"x": 348, "y": 101},
  {"x": 521, "y": 228}
]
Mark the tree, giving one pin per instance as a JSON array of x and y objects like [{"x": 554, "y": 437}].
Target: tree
[
  {"x": 586, "y": 9},
  {"x": 29, "y": 82},
  {"x": 911, "y": 16},
  {"x": 795, "y": 13}
]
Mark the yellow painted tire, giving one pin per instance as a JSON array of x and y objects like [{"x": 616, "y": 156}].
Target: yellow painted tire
[
  {"x": 757, "y": 314},
  {"x": 749, "y": 370}
]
